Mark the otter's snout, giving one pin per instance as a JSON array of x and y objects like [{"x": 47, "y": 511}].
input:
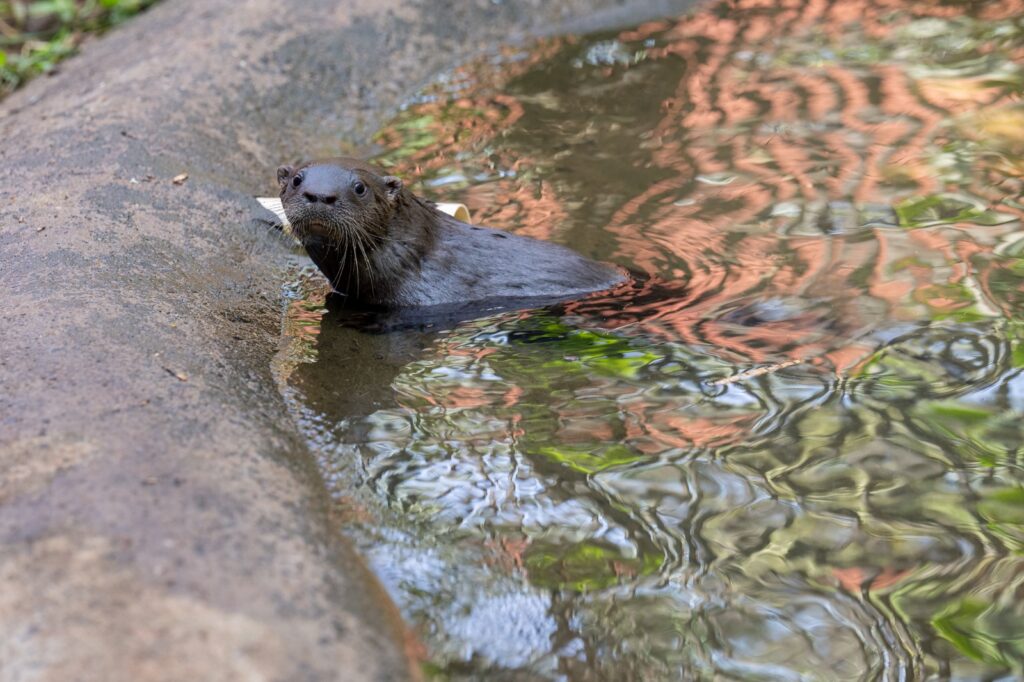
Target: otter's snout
[
  {"x": 312, "y": 198},
  {"x": 326, "y": 184}
]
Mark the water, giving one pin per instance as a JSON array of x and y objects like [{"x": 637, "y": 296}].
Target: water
[{"x": 795, "y": 451}]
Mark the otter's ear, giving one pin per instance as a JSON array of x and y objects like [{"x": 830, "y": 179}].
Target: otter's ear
[
  {"x": 394, "y": 186},
  {"x": 283, "y": 173}
]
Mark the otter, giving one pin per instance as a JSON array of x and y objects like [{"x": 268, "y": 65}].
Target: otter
[{"x": 381, "y": 245}]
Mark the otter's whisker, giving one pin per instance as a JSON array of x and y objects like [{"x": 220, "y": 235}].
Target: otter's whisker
[
  {"x": 358, "y": 267},
  {"x": 366, "y": 259}
]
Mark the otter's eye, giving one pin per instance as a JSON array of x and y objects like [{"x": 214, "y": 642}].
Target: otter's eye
[
  {"x": 297, "y": 180},
  {"x": 359, "y": 188}
]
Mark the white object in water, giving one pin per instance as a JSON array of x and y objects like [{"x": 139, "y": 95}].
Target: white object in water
[
  {"x": 457, "y": 211},
  {"x": 274, "y": 205}
]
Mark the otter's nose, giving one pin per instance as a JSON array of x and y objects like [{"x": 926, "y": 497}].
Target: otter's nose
[{"x": 322, "y": 198}]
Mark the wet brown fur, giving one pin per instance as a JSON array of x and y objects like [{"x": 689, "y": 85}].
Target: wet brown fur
[{"x": 388, "y": 247}]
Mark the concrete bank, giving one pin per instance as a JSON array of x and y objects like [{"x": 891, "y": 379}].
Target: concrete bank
[{"x": 159, "y": 517}]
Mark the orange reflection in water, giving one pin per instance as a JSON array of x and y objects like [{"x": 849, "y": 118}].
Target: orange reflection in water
[
  {"x": 778, "y": 108},
  {"x": 828, "y": 133}
]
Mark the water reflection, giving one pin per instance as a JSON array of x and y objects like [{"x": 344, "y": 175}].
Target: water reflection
[{"x": 793, "y": 449}]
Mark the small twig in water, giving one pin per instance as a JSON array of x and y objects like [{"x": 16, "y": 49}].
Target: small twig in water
[{"x": 754, "y": 373}]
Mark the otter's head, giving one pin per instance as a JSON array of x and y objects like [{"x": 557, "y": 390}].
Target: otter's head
[{"x": 339, "y": 202}]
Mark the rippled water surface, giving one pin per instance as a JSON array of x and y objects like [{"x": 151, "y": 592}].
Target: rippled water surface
[{"x": 795, "y": 451}]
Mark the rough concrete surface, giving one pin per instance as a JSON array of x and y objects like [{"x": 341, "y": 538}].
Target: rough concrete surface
[{"x": 159, "y": 517}]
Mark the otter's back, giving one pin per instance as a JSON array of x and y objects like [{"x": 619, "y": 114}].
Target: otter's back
[{"x": 475, "y": 263}]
